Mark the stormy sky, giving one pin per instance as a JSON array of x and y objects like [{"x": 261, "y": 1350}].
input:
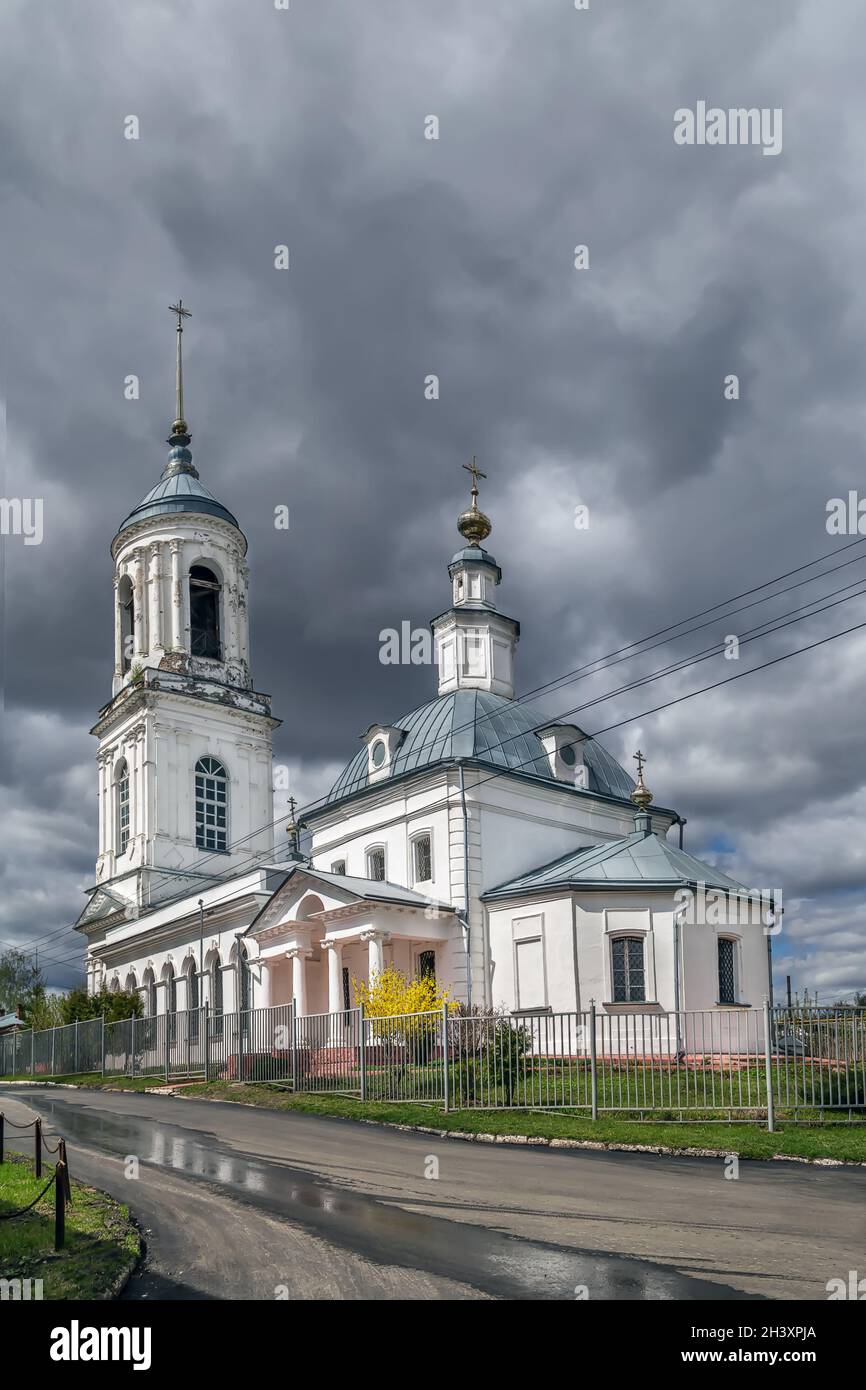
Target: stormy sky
[{"x": 601, "y": 387}]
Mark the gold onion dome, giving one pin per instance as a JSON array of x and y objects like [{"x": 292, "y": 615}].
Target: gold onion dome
[
  {"x": 473, "y": 525},
  {"x": 641, "y": 796}
]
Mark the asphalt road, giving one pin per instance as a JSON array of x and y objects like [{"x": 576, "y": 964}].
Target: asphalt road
[{"x": 243, "y": 1203}]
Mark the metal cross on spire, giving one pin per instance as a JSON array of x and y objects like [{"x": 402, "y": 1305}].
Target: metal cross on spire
[
  {"x": 476, "y": 474},
  {"x": 179, "y": 427},
  {"x": 640, "y": 759}
]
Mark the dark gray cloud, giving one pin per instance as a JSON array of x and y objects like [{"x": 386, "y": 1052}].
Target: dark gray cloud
[{"x": 261, "y": 127}]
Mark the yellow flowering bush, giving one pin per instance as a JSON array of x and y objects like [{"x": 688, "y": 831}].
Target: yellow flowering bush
[{"x": 392, "y": 994}]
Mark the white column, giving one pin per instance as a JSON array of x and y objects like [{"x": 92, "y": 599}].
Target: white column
[
  {"x": 118, "y": 635},
  {"x": 102, "y": 766},
  {"x": 139, "y": 611},
  {"x": 299, "y": 958},
  {"x": 264, "y": 1001},
  {"x": 335, "y": 975},
  {"x": 376, "y": 956},
  {"x": 243, "y": 615},
  {"x": 176, "y": 596},
  {"x": 154, "y": 583}
]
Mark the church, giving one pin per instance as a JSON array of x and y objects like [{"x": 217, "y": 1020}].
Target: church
[{"x": 512, "y": 858}]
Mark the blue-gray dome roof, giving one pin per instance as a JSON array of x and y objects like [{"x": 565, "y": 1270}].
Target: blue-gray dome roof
[
  {"x": 488, "y": 729},
  {"x": 179, "y": 492}
]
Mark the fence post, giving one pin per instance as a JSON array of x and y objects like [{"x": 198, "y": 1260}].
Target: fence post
[
  {"x": 132, "y": 1045},
  {"x": 37, "y": 1148},
  {"x": 240, "y": 1046},
  {"x": 102, "y": 1044},
  {"x": 593, "y": 1060},
  {"x": 59, "y": 1205},
  {"x": 362, "y": 1050},
  {"x": 206, "y": 1012},
  {"x": 32, "y": 1052},
  {"x": 294, "y": 1045},
  {"x": 446, "y": 1079},
  {"x": 771, "y": 1114},
  {"x": 1, "y": 1136},
  {"x": 168, "y": 1018},
  {"x": 53, "y": 1041},
  {"x": 76, "y": 1047}
]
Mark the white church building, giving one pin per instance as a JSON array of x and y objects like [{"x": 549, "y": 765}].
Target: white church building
[{"x": 512, "y": 857}]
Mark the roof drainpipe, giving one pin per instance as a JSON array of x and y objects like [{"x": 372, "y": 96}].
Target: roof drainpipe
[
  {"x": 679, "y": 918},
  {"x": 466, "y": 940},
  {"x": 682, "y": 822}
]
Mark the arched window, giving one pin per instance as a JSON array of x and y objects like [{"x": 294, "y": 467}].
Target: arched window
[
  {"x": 121, "y": 806},
  {"x": 376, "y": 863},
  {"x": 170, "y": 982},
  {"x": 204, "y": 612},
  {"x": 114, "y": 987},
  {"x": 629, "y": 985},
  {"x": 131, "y": 982},
  {"x": 149, "y": 988},
  {"x": 126, "y": 601},
  {"x": 192, "y": 1000},
  {"x": 727, "y": 949},
  {"x": 245, "y": 980},
  {"x": 422, "y": 858},
  {"x": 216, "y": 994},
  {"x": 211, "y": 805}
]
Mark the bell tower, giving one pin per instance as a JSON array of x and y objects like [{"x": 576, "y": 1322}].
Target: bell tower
[
  {"x": 474, "y": 642},
  {"x": 184, "y": 758}
]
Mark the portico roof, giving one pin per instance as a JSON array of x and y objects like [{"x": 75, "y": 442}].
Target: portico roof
[{"x": 360, "y": 890}]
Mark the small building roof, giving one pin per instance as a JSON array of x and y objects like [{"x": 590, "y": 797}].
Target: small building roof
[{"x": 636, "y": 861}]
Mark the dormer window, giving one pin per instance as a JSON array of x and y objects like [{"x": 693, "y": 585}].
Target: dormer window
[
  {"x": 382, "y": 742},
  {"x": 564, "y": 744}
]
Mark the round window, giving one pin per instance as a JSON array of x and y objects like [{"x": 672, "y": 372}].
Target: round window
[
  {"x": 378, "y": 755},
  {"x": 568, "y": 755}
]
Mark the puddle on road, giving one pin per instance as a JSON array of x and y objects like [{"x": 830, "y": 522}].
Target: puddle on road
[{"x": 503, "y": 1265}]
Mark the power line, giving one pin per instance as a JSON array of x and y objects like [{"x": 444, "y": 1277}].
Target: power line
[
  {"x": 630, "y": 719},
  {"x": 600, "y": 663}
]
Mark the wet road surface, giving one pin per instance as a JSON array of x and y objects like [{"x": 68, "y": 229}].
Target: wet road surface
[{"x": 244, "y": 1203}]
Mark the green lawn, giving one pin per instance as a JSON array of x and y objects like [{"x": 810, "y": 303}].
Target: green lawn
[
  {"x": 94, "y": 1080},
  {"x": 815, "y": 1135},
  {"x": 101, "y": 1241},
  {"x": 832, "y": 1138}
]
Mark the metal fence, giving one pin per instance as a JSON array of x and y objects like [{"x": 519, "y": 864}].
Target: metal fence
[{"x": 727, "y": 1061}]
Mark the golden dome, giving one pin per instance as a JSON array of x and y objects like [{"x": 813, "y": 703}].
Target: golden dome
[
  {"x": 473, "y": 525},
  {"x": 641, "y": 796}
]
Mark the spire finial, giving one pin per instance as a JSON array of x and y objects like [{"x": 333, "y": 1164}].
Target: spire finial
[
  {"x": 641, "y": 796},
  {"x": 180, "y": 426},
  {"x": 473, "y": 525},
  {"x": 293, "y": 831}
]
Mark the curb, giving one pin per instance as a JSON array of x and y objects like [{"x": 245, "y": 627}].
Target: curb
[{"x": 525, "y": 1140}]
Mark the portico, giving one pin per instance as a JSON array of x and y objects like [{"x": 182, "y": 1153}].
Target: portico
[{"x": 320, "y": 932}]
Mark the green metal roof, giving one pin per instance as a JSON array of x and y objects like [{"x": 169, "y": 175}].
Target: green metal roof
[
  {"x": 485, "y": 728},
  {"x": 179, "y": 492},
  {"x": 637, "y": 860}
]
